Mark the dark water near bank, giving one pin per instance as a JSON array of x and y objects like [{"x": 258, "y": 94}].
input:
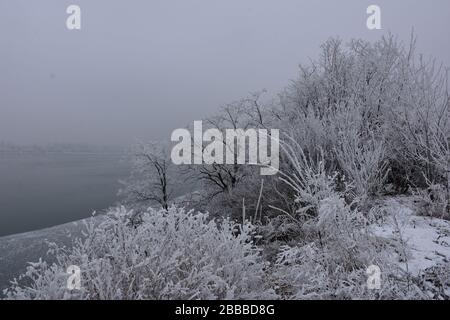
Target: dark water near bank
[{"x": 43, "y": 190}]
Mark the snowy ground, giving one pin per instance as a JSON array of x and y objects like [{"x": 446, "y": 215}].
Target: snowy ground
[{"x": 427, "y": 240}]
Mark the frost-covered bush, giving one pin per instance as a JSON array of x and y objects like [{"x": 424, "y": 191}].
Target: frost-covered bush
[
  {"x": 378, "y": 89},
  {"x": 303, "y": 273},
  {"x": 327, "y": 247},
  {"x": 433, "y": 201},
  {"x": 157, "y": 255},
  {"x": 333, "y": 265},
  {"x": 435, "y": 282},
  {"x": 363, "y": 161},
  {"x": 307, "y": 178}
]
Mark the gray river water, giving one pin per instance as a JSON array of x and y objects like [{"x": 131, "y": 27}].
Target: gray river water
[{"x": 43, "y": 190}]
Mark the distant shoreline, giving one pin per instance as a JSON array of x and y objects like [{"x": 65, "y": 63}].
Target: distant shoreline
[{"x": 60, "y": 152}]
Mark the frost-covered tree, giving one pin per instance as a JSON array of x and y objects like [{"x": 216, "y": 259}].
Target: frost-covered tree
[
  {"x": 226, "y": 186},
  {"x": 152, "y": 177}
]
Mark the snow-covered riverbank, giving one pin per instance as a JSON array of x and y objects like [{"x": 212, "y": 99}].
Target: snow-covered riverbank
[{"x": 422, "y": 243}]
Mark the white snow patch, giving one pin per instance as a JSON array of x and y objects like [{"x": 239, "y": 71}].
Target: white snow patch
[{"x": 427, "y": 240}]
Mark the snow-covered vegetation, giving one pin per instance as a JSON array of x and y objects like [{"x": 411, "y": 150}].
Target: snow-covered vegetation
[
  {"x": 159, "y": 254},
  {"x": 363, "y": 181}
]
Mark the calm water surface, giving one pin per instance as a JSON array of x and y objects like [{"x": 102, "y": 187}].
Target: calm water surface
[{"x": 43, "y": 190}]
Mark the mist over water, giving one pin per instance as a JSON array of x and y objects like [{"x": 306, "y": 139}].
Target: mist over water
[{"x": 39, "y": 190}]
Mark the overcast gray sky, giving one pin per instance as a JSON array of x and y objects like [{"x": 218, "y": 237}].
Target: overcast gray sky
[{"x": 139, "y": 69}]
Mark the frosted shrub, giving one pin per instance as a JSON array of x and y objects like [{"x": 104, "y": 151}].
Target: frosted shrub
[
  {"x": 157, "y": 255},
  {"x": 436, "y": 282},
  {"x": 362, "y": 160},
  {"x": 433, "y": 201},
  {"x": 334, "y": 264},
  {"x": 343, "y": 231},
  {"x": 303, "y": 273},
  {"x": 320, "y": 268},
  {"x": 307, "y": 178}
]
